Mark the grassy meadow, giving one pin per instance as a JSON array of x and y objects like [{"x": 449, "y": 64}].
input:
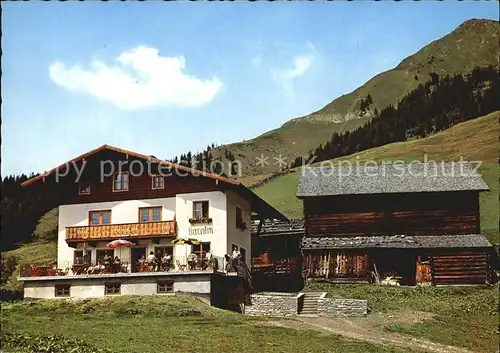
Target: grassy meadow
[
  {"x": 457, "y": 316},
  {"x": 474, "y": 140},
  {"x": 178, "y": 324}
]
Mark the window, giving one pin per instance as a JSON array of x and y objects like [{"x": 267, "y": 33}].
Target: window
[
  {"x": 200, "y": 209},
  {"x": 158, "y": 182},
  {"x": 160, "y": 251},
  {"x": 239, "y": 218},
  {"x": 149, "y": 214},
  {"x": 201, "y": 249},
  {"x": 99, "y": 217},
  {"x": 120, "y": 182},
  {"x": 83, "y": 188},
  {"x": 165, "y": 287},
  {"x": 62, "y": 290},
  {"x": 100, "y": 253},
  {"x": 78, "y": 257},
  {"x": 112, "y": 288},
  {"x": 243, "y": 253}
]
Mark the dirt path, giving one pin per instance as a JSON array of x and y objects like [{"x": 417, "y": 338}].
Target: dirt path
[{"x": 370, "y": 329}]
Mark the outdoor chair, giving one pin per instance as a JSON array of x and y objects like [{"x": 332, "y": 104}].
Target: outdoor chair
[
  {"x": 180, "y": 266},
  {"x": 33, "y": 271},
  {"x": 79, "y": 269},
  {"x": 165, "y": 266},
  {"x": 143, "y": 267},
  {"x": 106, "y": 270}
]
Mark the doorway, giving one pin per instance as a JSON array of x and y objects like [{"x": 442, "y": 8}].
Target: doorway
[
  {"x": 400, "y": 263},
  {"x": 136, "y": 254}
]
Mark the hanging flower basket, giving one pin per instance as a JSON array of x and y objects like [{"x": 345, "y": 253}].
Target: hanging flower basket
[{"x": 200, "y": 220}]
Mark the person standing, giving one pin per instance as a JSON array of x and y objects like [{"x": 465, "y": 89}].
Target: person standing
[
  {"x": 151, "y": 260},
  {"x": 235, "y": 258}
]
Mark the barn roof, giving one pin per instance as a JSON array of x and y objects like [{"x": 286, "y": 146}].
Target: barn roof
[
  {"x": 397, "y": 241},
  {"x": 389, "y": 178},
  {"x": 277, "y": 227}
]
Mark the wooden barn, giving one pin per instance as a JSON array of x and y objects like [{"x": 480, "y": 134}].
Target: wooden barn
[
  {"x": 277, "y": 261},
  {"x": 416, "y": 223}
]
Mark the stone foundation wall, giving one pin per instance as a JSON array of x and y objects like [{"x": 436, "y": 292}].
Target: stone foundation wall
[
  {"x": 272, "y": 305},
  {"x": 92, "y": 286},
  {"x": 330, "y": 307}
]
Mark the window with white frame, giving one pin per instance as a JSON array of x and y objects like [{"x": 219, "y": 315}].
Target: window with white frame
[
  {"x": 200, "y": 209},
  {"x": 120, "y": 182},
  {"x": 158, "y": 182}
]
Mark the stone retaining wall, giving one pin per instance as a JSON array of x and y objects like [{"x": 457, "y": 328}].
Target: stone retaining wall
[
  {"x": 273, "y": 305},
  {"x": 330, "y": 307},
  {"x": 280, "y": 305}
]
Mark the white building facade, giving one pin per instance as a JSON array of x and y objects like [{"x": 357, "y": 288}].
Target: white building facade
[
  {"x": 219, "y": 236},
  {"x": 193, "y": 219}
]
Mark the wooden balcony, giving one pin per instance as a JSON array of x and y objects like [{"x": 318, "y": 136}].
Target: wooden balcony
[{"x": 123, "y": 231}]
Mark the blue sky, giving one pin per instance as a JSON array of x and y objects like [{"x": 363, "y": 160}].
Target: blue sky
[{"x": 164, "y": 78}]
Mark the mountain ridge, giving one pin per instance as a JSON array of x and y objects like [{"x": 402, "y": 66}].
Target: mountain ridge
[
  {"x": 473, "y": 43},
  {"x": 472, "y": 140}
]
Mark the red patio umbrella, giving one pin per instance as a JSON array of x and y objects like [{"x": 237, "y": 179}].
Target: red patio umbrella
[{"x": 119, "y": 243}]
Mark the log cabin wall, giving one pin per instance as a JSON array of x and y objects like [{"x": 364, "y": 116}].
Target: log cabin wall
[
  {"x": 337, "y": 264},
  {"x": 384, "y": 214},
  {"x": 140, "y": 186},
  {"x": 460, "y": 268}
]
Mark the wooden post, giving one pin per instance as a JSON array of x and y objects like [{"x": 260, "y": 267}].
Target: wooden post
[
  {"x": 431, "y": 258},
  {"x": 324, "y": 264},
  {"x": 377, "y": 278},
  {"x": 328, "y": 266},
  {"x": 259, "y": 227}
]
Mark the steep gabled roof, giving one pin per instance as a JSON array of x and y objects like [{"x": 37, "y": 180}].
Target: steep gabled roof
[
  {"x": 134, "y": 154},
  {"x": 397, "y": 242},
  {"x": 277, "y": 227},
  {"x": 389, "y": 178},
  {"x": 257, "y": 203}
]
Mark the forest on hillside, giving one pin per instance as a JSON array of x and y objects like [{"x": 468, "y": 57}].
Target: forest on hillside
[{"x": 434, "y": 106}]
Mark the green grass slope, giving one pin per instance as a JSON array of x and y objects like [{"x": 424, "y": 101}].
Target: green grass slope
[
  {"x": 178, "y": 324},
  {"x": 41, "y": 252},
  {"x": 474, "y": 140},
  {"x": 473, "y": 43},
  {"x": 290, "y": 140},
  {"x": 456, "y": 316},
  {"x": 36, "y": 253}
]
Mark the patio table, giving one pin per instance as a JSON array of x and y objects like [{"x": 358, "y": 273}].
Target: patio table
[{"x": 79, "y": 269}]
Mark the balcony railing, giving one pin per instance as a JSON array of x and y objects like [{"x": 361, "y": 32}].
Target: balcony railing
[
  {"x": 126, "y": 265},
  {"x": 127, "y": 230}
]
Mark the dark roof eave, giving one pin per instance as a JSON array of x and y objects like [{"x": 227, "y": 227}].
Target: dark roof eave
[
  {"x": 303, "y": 196},
  {"x": 477, "y": 241},
  {"x": 390, "y": 178}
]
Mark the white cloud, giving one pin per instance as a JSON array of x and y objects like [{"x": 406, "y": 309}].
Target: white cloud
[
  {"x": 257, "y": 60},
  {"x": 301, "y": 64},
  {"x": 141, "y": 79}
]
